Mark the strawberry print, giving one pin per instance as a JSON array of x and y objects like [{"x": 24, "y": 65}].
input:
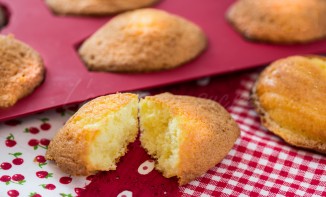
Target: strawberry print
[
  {"x": 90, "y": 177},
  {"x": 45, "y": 142},
  {"x": 43, "y": 174},
  {"x": 61, "y": 111},
  {"x": 18, "y": 178},
  {"x": 24, "y": 170},
  {"x": 34, "y": 194},
  {"x": 45, "y": 125},
  {"x": 40, "y": 159},
  {"x": 10, "y": 142},
  {"x": 13, "y": 193},
  {"x": 65, "y": 180},
  {"x": 64, "y": 111},
  {"x": 48, "y": 186},
  {"x": 13, "y": 122},
  {"x": 74, "y": 108},
  {"x": 17, "y": 161},
  {"x": 5, "y": 179},
  {"x": 65, "y": 195},
  {"x": 32, "y": 130},
  {"x": 79, "y": 190},
  {"x": 5, "y": 166},
  {"x": 35, "y": 144}
]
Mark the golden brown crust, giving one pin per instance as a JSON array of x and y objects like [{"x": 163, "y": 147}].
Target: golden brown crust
[
  {"x": 22, "y": 70},
  {"x": 141, "y": 41},
  {"x": 70, "y": 146},
  {"x": 290, "y": 96},
  {"x": 96, "y": 7},
  {"x": 208, "y": 133},
  {"x": 279, "y": 21}
]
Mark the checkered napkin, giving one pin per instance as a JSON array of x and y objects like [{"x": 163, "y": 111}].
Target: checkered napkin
[{"x": 261, "y": 164}]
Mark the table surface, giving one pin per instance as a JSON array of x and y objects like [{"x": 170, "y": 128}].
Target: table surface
[{"x": 260, "y": 164}]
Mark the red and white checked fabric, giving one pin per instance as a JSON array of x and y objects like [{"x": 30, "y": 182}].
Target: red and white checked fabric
[{"x": 261, "y": 164}]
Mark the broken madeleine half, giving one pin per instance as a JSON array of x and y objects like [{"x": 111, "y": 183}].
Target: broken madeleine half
[
  {"x": 290, "y": 97},
  {"x": 186, "y": 135},
  {"x": 141, "y": 41},
  {"x": 96, "y": 136}
]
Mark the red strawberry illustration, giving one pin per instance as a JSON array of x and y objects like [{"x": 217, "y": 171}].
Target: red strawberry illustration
[
  {"x": 10, "y": 142},
  {"x": 18, "y": 178},
  {"x": 5, "y": 166},
  {"x": 90, "y": 177},
  {"x": 13, "y": 193},
  {"x": 45, "y": 125},
  {"x": 61, "y": 111},
  {"x": 13, "y": 122},
  {"x": 17, "y": 160},
  {"x": 65, "y": 180},
  {"x": 48, "y": 186},
  {"x": 73, "y": 108},
  {"x": 35, "y": 144},
  {"x": 40, "y": 159},
  {"x": 45, "y": 142},
  {"x": 43, "y": 174},
  {"x": 78, "y": 190},
  {"x": 6, "y": 179},
  {"x": 34, "y": 194},
  {"x": 32, "y": 130}
]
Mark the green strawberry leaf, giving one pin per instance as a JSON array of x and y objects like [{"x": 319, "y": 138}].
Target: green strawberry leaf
[
  {"x": 49, "y": 175},
  {"x": 35, "y": 147},
  {"x": 42, "y": 164},
  {"x": 66, "y": 195},
  {"x": 44, "y": 147},
  {"x": 32, "y": 194},
  {"x": 11, "y": 137},
  {"x": 16, "y": 154},
  {"x": 22, "y": 182},
  {"x": 43, "y": 185},
  {"x": 44, "y": 119}
]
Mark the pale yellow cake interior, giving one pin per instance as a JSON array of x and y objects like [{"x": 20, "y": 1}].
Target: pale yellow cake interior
[
  {"x": 115, "y": 131},
  {"x": 160, "y": 135}
]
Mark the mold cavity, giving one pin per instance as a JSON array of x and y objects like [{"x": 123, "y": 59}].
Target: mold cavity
[{"x": 4, "y": 16}]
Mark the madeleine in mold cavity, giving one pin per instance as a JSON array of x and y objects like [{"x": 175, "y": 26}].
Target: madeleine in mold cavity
[
  {"x": 143, "y": 40},
  {"x": 96, "y": 7},
  {"x": 279, "y": 21}
]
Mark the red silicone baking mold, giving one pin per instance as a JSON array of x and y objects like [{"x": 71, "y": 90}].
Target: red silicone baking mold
[{"x": 68, "y": 81}]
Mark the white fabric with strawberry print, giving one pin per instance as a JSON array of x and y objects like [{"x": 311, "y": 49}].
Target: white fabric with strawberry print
[{"x": 24, "y": 171}]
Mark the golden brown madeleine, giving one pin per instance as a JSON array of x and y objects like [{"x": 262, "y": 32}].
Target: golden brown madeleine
[
  {"x": 279, "y": 21},
  {"x": 96, "y": 7},
  {"x": 186, "y": 135},
  {"x": 21, "y": 70},
  {"x": 97, "y": 136},
  {"x": 143, "y": 40},
  {"x": 290, "y": 96}
]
